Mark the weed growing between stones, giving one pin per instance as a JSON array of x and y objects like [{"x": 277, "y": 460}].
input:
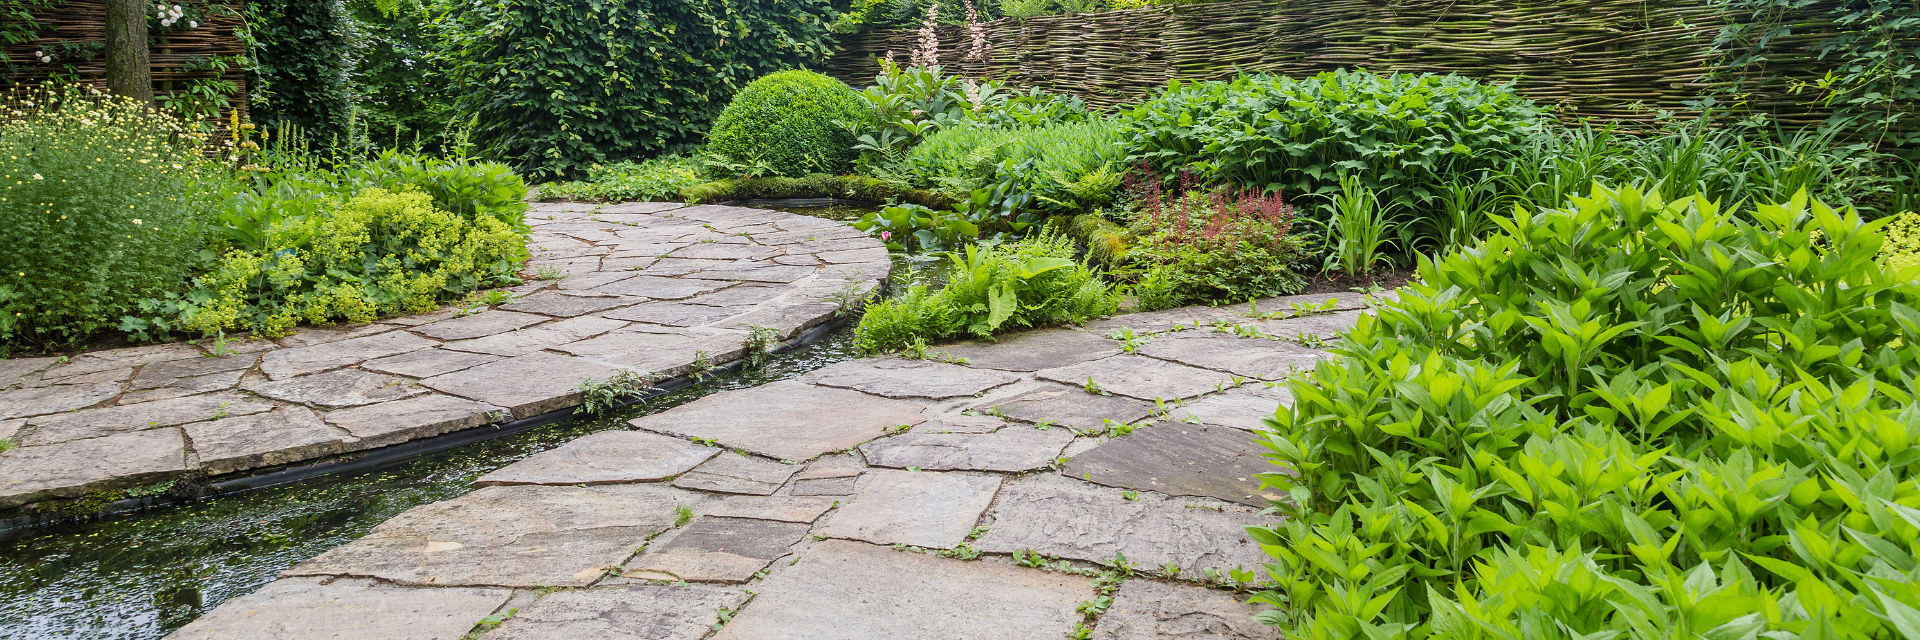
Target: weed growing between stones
[
  {"x": 759, "y": 345},
  {"x": 548, "y": 272},
  {"x": 597, "y": 397}
]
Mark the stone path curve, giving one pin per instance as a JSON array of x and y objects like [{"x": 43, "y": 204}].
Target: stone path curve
[
  {"x": 970, "y": 497},
  {"x": 647, "y": 286}
]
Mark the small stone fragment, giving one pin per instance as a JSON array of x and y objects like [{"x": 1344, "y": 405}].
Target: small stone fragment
[
  {"x": 734, "y": 473},
  {"x": 1012, "y": 449},
  {"x": 729, "y": 550},
  {"x": 781, "y": 508},
  {"x": 932, "y": 510},
  {"x": 636, "y": 611},
  {"x": 338, "y": 389},
  {"x": 1070, "y": 407},
  {"x": 281, "y": 436},
  {"x": 1149, "y": 610}
]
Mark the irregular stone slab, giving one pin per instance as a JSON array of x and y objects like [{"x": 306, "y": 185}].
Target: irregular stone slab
[
  {"x": 1033, "y": 350},
  {"x": 902, "y": 378},
  {"x": 424, "y": 318},
  {"x": 554, "y": 303},
  {"x": 786, "y": 420},
  {"x": 1262, "y": 358},
  {"x": 962, "y": 423},
  {"x": 854, "y": 255},
  {"x": 652, "y": 612},
  {"x": 524, "y": 341},
  {"x": 788, "y": 318},
  {"x": 94, "y": 423},
  {"x": 766, "y": 272},
  {"x": 781, "y": 508},
  {"x": 641, "y": 207},
  {"x": 526, "y": 385},
  {"x": 607, "y": 457},
  {"x": 397, "y": 421},
  {"x": 734, "y": 473},
  {"x": 1176, "y": 458},
  {"x": 717, "y": 251},
  {"x": 932, "y": 510},
  {"x": 1323, "y": 326},
  {"x": 1012, "y": 449},
  {"x": 729, "y": 550},
  {"x": 672, "y": 314},
  {"x": 485, "y": 323},
  {"x": 1285, "y": 305},
  {"x": 427, "y": 363},
  {"x": 286, "y": 363},
  {"x": 165, "y": 374},
  {"x": 1070, "y": 407},
  {"x": 281, "y": 436},
  {"x": 8, "y": 428},
  {"x": 1158, "y": 321},
  {"x": 667, "y": 352},
  {"x": 12, "y": 370},
  {"x": 1148, "y": 610},
  {"x": 71, "y": 469},
  {"x": 111, "y": 375},
  {"x": 322, "y": 335},
  {"x": 521, "y": 536},
  {"x": 852, "y": 591},
  {"x": 35, "y": 401},
  {"x": 675, "y": 267},
  {"x": 839, "y": 482},
  {"x": 114, "y": 359},
  {"x": 339, "y": 389},
  {"x": 1071, "y": 519},
  {"x": 587, "y": 281},
  {"x": 178, "y": 387},
  {"x": 745, "y": 295},
  {"x": 1142, "y": 377},
  {"x": 659, "y": 288},
  {"x": 316, "y": 609},
  {"x": 1246, "y": 407}
]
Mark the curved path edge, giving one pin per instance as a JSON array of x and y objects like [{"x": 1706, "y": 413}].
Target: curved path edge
[{"x": 661, "y": 288}]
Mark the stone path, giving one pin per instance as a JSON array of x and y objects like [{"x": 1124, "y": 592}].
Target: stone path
[
  {"x": 647, "y": 286},
  {"x": 1055, "y": 482}
]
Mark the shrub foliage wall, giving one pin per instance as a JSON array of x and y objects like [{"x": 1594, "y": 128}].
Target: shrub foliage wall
[{"x": 560, "y": 86}]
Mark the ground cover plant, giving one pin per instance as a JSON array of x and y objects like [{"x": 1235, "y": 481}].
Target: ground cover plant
[
  {"x": 1625, "y": 417},
  {"x": 1219, "y": 245},
  {"x": 1031, "y": 283}
]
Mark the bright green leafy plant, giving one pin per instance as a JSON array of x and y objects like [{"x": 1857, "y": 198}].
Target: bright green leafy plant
[
  {"x": 656, "y": 179},
  {"x": 1630, "y": 417},
  {"x": 1214, "y": 246},
  {"x": 1031, "y": 283}
]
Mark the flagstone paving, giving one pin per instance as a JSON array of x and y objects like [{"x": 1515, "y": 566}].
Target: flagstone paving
[
  {"x": 118, "y": 418},
  {"x": 973, "y": 498}
]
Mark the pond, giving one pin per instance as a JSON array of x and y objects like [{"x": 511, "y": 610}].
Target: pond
[{"x": 141, "y": 576}]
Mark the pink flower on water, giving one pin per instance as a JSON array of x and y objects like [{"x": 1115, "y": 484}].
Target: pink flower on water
[{"x": 886, "y": 235}]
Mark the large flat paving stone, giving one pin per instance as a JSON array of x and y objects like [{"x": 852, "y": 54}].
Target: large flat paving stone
[
  {"x": 70, "y": 469},
  {"x": 925, "y": 509},
  {"x": 347, "y": 609},
  {"x": 1070, "y": 407},
  {"x": 36, "y": 401},
  {"x": 659, "y": 350},
  {"x": 522, "y": 536},
  {"x": 526, "y": 385},
  {"x": 852, "y": 591},
  {"x": 1009, "y": 449},
  {"x": 734, "y": 473},
  {"x": 104, "y": 421},
  {"x": 636, "y": 611},
  {"x": 529, "y": 340},
  {"x": 485, "y": 323},
  {"x": 787, "y": 420},
  {"x": 781, "y": 508},
  {"x": 114, "y": 359},
  {"x": 658, "y": 288},
  {"x": 902, "y": 378},
  {"x": 427, "y": 363},
  {"x": 1246, "y": 407},
  {"x": 1261, "y": 358},
  {"x": 281, "y": 436},
  {"x": 1326, "y": 326},
  {"x": 567, "y": 305},
  {"x": 673, "y": 314},
  {"x": 14, "y": 370},
  {"x": 1065, "y": 518},
  {"x": 1165, "y": 320},
  {"x": 607, "y": 457},
  {"x": 397, "y": 421},
  {"x": 339, "y": 389},
  {"x": 727, "y": 550},
  {"x": 1142, "y": 377},
  {"x": 1149, "y": 610},
  {"x": 1033, "y": 350},
  {"x": 1180, "y": 459},
  {"x": 172, "y": 373},
  {"x": 287, "y": 363}
]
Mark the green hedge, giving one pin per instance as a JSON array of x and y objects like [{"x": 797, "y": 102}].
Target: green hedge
[
  {"x": 793, "y": 123},
  {"x": 1631, "y": 418},
  {"x": 560, "y": 86}
]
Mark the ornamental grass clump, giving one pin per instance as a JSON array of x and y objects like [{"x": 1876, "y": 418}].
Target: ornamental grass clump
[
  {"x": 104, "y": 202},
  {"x": 1630, "y": 417}
]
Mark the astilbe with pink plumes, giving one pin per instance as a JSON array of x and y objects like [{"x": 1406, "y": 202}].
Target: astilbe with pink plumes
[
  {"x": 978, "y": 33},
  {"x": 1214, "y": 219},
  {"x": 927, "y": 54}
]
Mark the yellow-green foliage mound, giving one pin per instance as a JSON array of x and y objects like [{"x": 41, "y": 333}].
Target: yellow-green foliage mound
[{"x": 1902, "y": 250}]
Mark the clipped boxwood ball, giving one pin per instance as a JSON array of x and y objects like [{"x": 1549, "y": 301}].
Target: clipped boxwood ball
[{"x": 790, "y": 122}]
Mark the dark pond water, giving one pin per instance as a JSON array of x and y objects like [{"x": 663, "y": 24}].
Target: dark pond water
[{"x": 141, "y": 576}]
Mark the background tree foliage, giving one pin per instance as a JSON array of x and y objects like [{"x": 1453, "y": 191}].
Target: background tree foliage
[{"x": 556, "y": 87}]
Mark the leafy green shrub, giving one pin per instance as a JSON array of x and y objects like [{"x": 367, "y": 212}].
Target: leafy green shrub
[
  {"x": 1066, "y": 168},
  {"x": 1216, "y": 246},
  {"x": 1631, "y": 418},
  {"x": 279, "y": 197},
  {"x": 1403, "y": 134},
  {"x": 792, "y": 123},
  {"x": 556, "y": 87},
  {"x": 912, "y": 103},
  {"x": 380, "y": 253},
  {"x": 301, "y": 59},
  {"x": 850, "y": 187},
  {"x": 657, "y": 179},
  {"x": 1031, "y": 283},
  {"x": 1901, "y": 254},
  {"x": 104, "y": 202}
]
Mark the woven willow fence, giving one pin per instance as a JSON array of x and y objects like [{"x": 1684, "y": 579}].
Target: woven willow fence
[
  {"x": 76, "y": 30},
  {"x": 1618, "y": 59}
]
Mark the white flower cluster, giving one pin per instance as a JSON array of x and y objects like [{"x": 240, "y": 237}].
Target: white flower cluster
[
  {"x": 44, "y": 58},
  {"x": 169, "y": 15}
]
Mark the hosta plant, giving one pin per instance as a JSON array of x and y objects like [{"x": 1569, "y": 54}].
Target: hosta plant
[{"x": 1632, "y": 417}]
